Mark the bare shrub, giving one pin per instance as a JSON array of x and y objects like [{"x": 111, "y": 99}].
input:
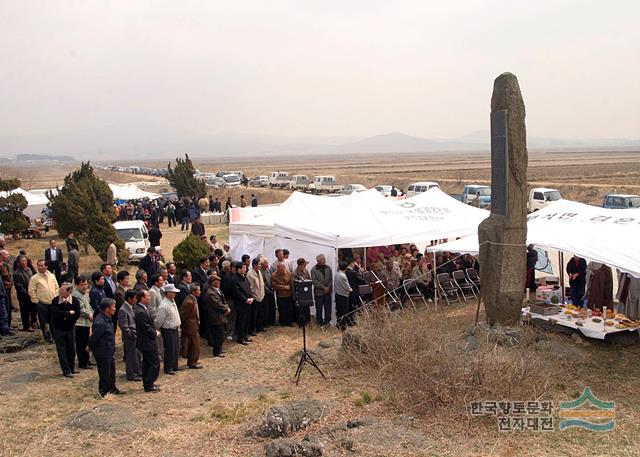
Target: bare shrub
[{"x": 427, "y": 361}]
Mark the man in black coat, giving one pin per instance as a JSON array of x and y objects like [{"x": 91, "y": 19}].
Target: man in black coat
[
  {"x": 103, "y": 345},
  {"x": 21, "y": 276},
  {"x": 147, "y": 343},
  {"x": 217, "y": 312},
  {"x": 53, "y": 256},
  {"x": 577, "y": 271},
  {"x": 65, "y": 311},
  {"x": 154, "y": 236},
  {"x": 242, "y": 299},
  {"x": 149, "y": 263}
]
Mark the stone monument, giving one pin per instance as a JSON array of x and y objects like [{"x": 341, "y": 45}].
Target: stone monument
[{"x": 502, "y": 235}]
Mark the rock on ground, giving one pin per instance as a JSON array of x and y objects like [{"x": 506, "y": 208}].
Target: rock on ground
[
  {"x": 18, "y": 342},
  {"x": 285, "y": 419},
  {"x": 284, "y": 447},
  {"x": 105, "y": 418}
]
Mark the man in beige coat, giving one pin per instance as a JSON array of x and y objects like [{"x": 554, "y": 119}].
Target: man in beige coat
[
  {"x": 112, "y": 254},
  {"x": 256, "y": 313}
]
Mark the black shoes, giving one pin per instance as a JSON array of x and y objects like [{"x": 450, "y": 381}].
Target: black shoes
[
  {"x": 219, "y": 355},
  {"x": 136, "y": 379},
  {"x": 244, "y": 343},
  {"x": 117, "y": 392},
  {"x": 170, "y": 372},
  {"x": 68, "y": 375},
  {"x": 152, "y": 389},
  {"x": 195, "y": 367}
]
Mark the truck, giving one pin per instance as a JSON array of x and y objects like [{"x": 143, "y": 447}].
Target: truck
[
  {"x": 324, "y": 184},
  {"x": 299, "y": 182},
  {"x": 475, "y": 194},
  {"x": 621, "y": 201},
  {"x": 279, "y": 179},
  {"x": 539, "y": 197}
]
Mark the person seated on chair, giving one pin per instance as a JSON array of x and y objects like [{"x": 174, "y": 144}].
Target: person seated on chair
[
  {"x": 392, "y": 280},
  {"x": 422, "y": 275}
]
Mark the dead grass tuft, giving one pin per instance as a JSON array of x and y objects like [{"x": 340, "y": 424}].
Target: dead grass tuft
[{"x": 428, "y": 361}]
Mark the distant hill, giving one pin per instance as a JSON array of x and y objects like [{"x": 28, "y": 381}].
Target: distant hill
[{"x": 149, "y": 141}]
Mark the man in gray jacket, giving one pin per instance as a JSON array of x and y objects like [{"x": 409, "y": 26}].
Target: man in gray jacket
[
  {"x": 322, "y": 284},
  {"x": 127, "y": 324}
]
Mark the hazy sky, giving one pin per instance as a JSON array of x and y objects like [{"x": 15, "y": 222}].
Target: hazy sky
[{"x": 298, "y": 68}]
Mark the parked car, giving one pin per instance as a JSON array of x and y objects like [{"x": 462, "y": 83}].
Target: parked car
[
  {"x": 472, "y": 192},
  {"x": 539, "y": 197},
  {"x": 215, "y": 181},
  {"x": 324, "y": 184},
  {"x": 299, "y": 182},
  {"x": 419, "y": 187},
  {"x": 221, "y": 174},
  {"x": 232, "y": 180},
  {"x": 621, "y": 201},
  {"x": 259, "y": 181},
  {"x": 135, "y": 237},
  {"x": 351, "y": 188},
  {"x": 279, "y": 179}
]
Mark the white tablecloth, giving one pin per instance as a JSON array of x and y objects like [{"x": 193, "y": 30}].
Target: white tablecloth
[
  {"x": 213, "y": 218},
  {"x": 588, "y": 328}
]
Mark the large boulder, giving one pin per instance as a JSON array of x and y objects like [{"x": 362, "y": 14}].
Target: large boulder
[
  {"x": 18, "y": 342},
  {"x": 284, "y": 447},
  {"x": 285, "y": 419},
  {"x": 109, "y": 418}
]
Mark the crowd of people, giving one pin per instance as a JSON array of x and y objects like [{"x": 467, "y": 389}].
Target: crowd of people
[{"x": 162, "y": 313}]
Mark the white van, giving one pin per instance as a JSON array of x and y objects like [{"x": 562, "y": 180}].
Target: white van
[
  {"x": 419, "y": 187},
  {"x": 135, "y": 237},
  {"x": 231, "y": 180}
]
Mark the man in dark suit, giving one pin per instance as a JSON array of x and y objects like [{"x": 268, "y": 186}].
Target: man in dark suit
[
  {"x": 53, "y": 256},
  {"x": 217, "y": 312},
  {"x": 149, "y": 263},
  {"x": 146, "y": 342},
  {"x": 242, "y": 299},
  {"x": 201, "y": 276},
  {"x": 65, "y": 311},
  {"x": 102, "y": 343},
  {"x": 577, "y": 271},
  {"x": 172, "y": 278},
  {"x": 183, "y": 285}
]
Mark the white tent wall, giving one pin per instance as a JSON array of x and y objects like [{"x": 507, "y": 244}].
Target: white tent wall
[
  {"x": 35, "y": 202},
  {"x": 609, "y": 236}
]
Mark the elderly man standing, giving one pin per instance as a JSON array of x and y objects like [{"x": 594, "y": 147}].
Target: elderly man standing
[
  {"x": 83, "y": 324},
  {"x": 147, "y": 342},
  {"x": 190, "y": 317},
  {"x": 156, "y": 295},
  {"x": 21, "y": 277},
  {"x": 127, "y": 324},
  {"x": 217, "y": 312},
  {"x": 54, "y": 258},
  {"x": 269, "y": 305},
  {"x": 103, "y": 345},
  {"x": 43, "y": 287},
  {"x": 65, "y": 311},
  {"x": 167, "y": 321},
  {"x": 343, "y": 289},
  {"x": 7, "y": 279},
  {"x": 322, "y": 278},
  {"x": 281, "y": 283},
  {"x": 256, "y": 310}
]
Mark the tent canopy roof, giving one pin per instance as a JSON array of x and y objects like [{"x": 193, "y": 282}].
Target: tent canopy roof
[{"x": 131, "y": 192}]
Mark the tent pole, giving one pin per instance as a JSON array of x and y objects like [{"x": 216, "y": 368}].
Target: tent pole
[
  {"x": 435, "y": 280},
  {"x": 561, "y": 268},
  {"x": 365, "y": 258}
]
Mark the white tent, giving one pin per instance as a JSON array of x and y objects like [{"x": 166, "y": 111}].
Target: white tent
[
  {"x": 325, "y": 224},
  {"x": 131, "y": 192},
  {"x": 609, "y": 236},
  {"x": 35, "y": 203}
]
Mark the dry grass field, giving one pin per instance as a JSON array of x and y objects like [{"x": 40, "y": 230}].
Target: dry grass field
[{"x": 386, "y": 385}]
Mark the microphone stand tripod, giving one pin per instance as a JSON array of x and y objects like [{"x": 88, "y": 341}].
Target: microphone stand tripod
[{"x": 306, "y": 357}]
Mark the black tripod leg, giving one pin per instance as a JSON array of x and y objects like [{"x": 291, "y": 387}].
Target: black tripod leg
[
  {"x": 315, "y": 365},
  {"x": 300, "y": 366}
]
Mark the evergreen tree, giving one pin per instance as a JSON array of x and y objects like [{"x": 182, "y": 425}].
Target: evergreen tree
[
  {"x": 187, "y": 253},
  {"x": 12, "y": 220},
  {"x": 182, "y": 178},
  {"x": 84, "y": 206}
]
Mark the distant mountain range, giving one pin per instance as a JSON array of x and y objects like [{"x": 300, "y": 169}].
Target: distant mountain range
[{"x": 147, "y": 142}]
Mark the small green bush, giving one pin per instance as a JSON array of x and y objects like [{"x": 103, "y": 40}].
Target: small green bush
[{"x": 187, "y": 253}]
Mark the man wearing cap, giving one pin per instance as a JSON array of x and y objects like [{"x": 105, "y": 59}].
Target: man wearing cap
[
  {"x": 217, "y": 312},
  {"x": 167, "y": 320},
  {"x": 256, "y": 310},
  {"x": 190, "y": 318},
  {"x": 65, "y": 311},
  {"x": 103, "y": 345}
]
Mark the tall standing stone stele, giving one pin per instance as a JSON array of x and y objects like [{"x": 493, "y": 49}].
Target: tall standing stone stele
[{"x": 502, "y": 235}]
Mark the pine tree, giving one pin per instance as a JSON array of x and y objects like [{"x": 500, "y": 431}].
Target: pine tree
[
  {"x": 182, "y": 178},
  {"x": 188, "y": 252},
  {"x": 84, "y": 206},
  {"x": 12, "y": 220}
]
